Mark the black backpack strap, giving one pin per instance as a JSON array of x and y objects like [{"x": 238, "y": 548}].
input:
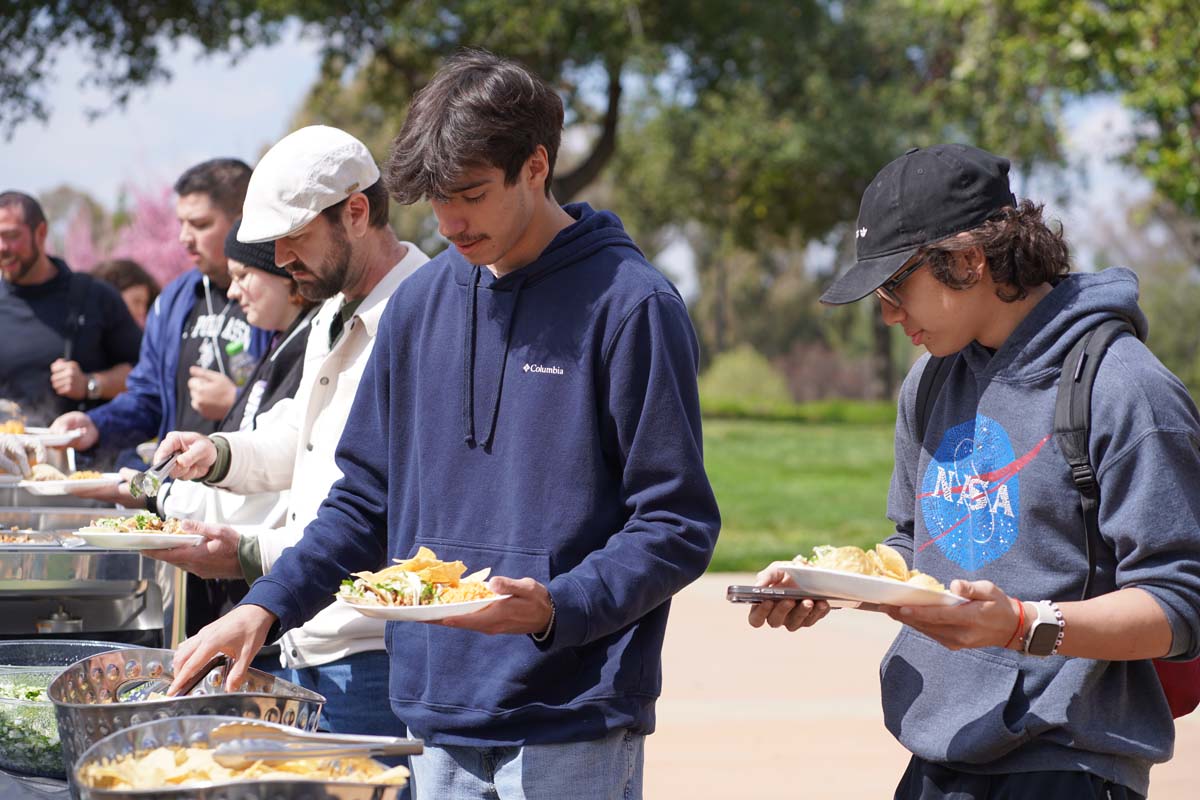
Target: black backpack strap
[
  {"x": 77, "y": 291},
  {"x": 932, "y": 379},
  {"x": 1072, "y": 426}
]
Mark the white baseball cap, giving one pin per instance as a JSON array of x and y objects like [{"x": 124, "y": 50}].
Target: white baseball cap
[{"x": 305, "y": 173}]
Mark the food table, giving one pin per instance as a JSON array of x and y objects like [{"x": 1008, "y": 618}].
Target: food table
[{"x": 57, "y": 586}]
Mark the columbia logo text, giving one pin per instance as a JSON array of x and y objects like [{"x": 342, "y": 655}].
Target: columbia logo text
[{"x": 543, "y": 369}]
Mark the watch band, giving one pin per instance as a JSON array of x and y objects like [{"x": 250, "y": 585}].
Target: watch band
[
  {"x": 1045, "y": 634},
  {"x": 93, "y": 386}
]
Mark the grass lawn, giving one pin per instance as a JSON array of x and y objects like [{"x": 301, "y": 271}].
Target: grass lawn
[{"x": 785, "y": 486}]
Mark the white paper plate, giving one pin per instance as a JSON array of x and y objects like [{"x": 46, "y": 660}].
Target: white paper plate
[
  {"x": 49, "y": 439},
  {"x": 48, "y": 488},
  {"x": 868, "y": 589},
  {"x": 420, "y": 613},
  {"x": 116, "y": 540}
]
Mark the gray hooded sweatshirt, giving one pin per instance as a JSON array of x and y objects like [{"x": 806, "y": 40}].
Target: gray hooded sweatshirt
[{"x": 988, "y": 496}]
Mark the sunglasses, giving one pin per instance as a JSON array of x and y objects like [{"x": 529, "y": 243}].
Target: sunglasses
[{"x": 887, "y": 292}]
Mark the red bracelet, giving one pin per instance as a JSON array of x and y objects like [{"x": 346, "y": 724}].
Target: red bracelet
[{"x": 1020, "y": 622}]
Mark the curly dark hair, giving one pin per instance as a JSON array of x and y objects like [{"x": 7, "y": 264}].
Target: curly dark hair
[
  {"x": 479, "y": 110},
  {"x": 1022, "y": 252}
]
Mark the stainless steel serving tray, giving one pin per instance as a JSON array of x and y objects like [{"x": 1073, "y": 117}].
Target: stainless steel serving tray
[
  {"x": 73, "y": 568},
  {"x": 193, "y": 731}
]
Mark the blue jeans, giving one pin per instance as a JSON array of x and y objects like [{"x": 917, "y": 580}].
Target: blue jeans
[
  {"x": 604, "y": 769},
  {"x": 356, "y": 692}
]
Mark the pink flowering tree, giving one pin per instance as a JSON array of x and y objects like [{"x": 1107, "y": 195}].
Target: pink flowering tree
[
  {"x": 151, "y": 237},
  {"x": 80, "y": 246},
  {"x": 147, "y": 233}
]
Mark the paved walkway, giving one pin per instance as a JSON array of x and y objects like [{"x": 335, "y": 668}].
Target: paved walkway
[{"x": 763, "y": 713}]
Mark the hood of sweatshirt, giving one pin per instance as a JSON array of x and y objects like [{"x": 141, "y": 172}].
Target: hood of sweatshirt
[
  {"x": 495, "y": 302},
  {"x": 1040, "y": 343}
]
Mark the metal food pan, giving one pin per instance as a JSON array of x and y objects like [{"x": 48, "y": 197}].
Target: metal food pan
[{"x": 185, "y": 731}]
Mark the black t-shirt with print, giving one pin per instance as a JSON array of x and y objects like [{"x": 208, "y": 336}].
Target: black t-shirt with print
[
  {"x": 213, "y": 323},
  {"x": 34, "y": 330}
]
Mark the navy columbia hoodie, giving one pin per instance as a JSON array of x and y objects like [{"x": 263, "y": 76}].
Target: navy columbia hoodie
[
  {"x": 545, "y": 424},
  {"x": 988, "y": 496}
]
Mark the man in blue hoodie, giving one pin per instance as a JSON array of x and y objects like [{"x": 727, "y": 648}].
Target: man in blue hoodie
[
  {"x": 1053, "y": 694},
  {"x": 530, "y": 406}
]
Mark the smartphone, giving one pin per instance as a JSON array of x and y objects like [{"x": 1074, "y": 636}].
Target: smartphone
[{"x": 757, "y": 594}]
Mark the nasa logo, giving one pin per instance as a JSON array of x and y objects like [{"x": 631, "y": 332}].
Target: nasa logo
[{"x": 970, "y": 494}]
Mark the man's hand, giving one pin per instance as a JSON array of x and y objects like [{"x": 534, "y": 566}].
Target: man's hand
[
  {"x": 215, "y": 557},
  {"x": 212, "y": 393},
  {"x": 77, "y": 421},
  {"x": 788, "y": 614},
  {"x": 989, "y": 620},
  {"x": 18, "y": 454},
  {"x": 196, "y": 451},
  {"x": 67, "y": 379},
  {"x": 239, "y": 634},
  {"x": 527, "y": 610}
]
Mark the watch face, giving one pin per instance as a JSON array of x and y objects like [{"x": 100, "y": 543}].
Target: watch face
[{"x": 1042, "y": 638}]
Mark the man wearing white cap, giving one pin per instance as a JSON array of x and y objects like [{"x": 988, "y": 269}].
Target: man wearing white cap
[{"x": 317, "y": 195}]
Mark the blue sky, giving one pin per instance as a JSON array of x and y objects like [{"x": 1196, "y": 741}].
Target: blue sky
[{"x": 209, "y": 108}]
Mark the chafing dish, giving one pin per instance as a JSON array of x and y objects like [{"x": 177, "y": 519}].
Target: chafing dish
[
  {"x": 194, "y": 731},
  {"x": 83, "y": 698},
  {"x": 74, "y": 590}
]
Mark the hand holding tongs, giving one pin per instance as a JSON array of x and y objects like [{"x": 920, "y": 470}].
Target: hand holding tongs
[
  {"x": 148, "y": 482},
  {"x": 138, "y": 690},
  {"x": 237, "y": 744}
]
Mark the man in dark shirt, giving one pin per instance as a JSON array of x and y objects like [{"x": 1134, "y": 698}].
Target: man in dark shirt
[{"x": 66, "y": 341}]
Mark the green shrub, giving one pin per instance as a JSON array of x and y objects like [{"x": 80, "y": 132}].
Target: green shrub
[{"x": 743, "y": 375}]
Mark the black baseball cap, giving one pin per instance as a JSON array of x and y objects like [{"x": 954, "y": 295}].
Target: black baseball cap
[{"x": 923, "y": 196}]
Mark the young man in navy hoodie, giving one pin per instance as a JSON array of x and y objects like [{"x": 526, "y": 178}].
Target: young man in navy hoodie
[
  {"x": 530, "y": 406},
  {"x": 1051, "y": 694}
]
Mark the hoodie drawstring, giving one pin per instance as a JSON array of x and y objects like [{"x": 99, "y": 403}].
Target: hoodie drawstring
[
  {"x": 468, "y": 404},
  {"x": 469, "y": 362},
  {"x": 508, "y": 326}
]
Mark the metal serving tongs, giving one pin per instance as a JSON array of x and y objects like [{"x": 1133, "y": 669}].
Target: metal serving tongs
[
  {"x": 148, "y": 482},
  {"x": 137, "y": 690},
  {"x": 237, "y": 744}
]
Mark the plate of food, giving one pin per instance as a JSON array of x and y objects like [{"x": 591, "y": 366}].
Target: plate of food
[
  {"x": 47, "y": 480},
  {"x": 877, "y": 576},
  {"x": 142, "y": 531},
  {"x": 52, "y": 438},
  {"x": 419, "y": 589}
]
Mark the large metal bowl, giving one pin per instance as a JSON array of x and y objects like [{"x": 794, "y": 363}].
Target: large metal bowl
[
  {"x": 183, "y": 731},
  {"x": 86, "y": 711},
  {"x": 29, "y": 741},
  {"x": 50, "y": 652}
]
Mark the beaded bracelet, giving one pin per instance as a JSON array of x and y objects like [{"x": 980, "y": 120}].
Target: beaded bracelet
[{"x": 1062, "y": 625}]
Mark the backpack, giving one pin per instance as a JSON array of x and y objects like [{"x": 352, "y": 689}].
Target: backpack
[{"x": 1072, "y": 428}]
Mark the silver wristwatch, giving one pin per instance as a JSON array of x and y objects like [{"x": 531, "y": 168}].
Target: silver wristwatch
[{"x": 93, "y": 387}]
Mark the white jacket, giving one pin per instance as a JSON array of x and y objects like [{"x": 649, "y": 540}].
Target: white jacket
[{"x": 295, "y": 449}]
